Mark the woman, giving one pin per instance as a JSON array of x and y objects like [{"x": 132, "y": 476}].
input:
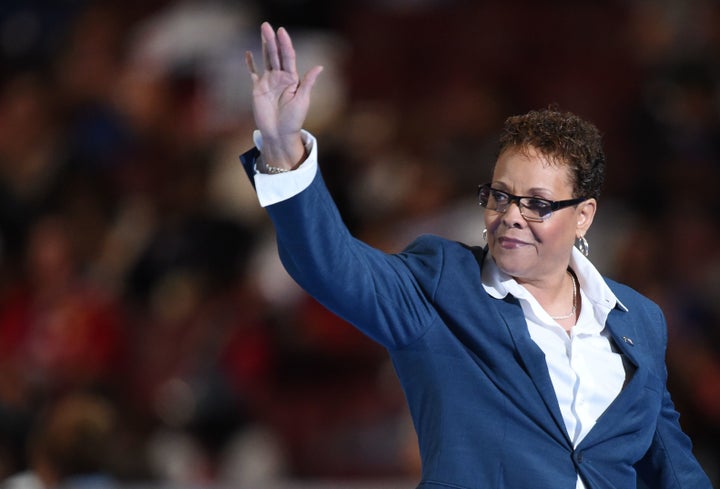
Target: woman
[{"x": 522, "y": 366}]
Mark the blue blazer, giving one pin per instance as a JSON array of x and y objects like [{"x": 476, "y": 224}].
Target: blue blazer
[{"x": 476, "y": 384}]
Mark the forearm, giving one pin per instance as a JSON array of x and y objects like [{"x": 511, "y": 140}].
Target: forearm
[{"x": 373, "y": 290}]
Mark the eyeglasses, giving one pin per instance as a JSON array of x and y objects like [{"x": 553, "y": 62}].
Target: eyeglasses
[{"x": 532, "y": 209}]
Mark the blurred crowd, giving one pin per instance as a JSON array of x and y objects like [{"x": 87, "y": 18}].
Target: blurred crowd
[{"x": 147, "y": 330}]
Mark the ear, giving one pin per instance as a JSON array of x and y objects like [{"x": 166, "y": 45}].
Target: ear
[{"x": 585, "y": 215}]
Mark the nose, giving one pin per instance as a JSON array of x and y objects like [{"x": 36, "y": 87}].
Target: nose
[{"x": 512, "y": 217}]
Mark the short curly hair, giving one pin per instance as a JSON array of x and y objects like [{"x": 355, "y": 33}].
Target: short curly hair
[{"x": 565, "y": 139}]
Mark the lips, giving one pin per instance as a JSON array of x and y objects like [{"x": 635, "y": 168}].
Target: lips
[{"x": 511, "y": 243}]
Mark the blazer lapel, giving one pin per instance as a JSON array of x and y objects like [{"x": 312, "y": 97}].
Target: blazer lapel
[
  {"x": 623, "y": 334},
  {"x": 530, "y": 355},
  {"x": 532, "y": 358},
  {"x": 625, "y": 406}
]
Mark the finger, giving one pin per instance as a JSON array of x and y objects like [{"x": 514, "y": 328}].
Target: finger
[
  {"x": 308, "y": 80},
  {"x": 287, "y": 51},
  {"x": 266, "y": 56},
  {"x": 270, "y": 47},
  {"x": 250, "y": 62}
]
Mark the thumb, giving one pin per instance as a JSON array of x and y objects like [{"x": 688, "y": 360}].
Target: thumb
[{"x": 308, "y": 81}]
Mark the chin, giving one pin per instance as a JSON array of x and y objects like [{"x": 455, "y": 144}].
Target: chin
[
  {"x": 510, "y": 267},
  {"x": 510, "y": 262}
]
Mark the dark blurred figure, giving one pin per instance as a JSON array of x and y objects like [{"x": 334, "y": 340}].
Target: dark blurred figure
[
  {"x": 71, "y": 446},
  {"x": 58, "y": 333}
]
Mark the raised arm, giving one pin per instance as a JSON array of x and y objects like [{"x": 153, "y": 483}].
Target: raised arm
[
  {"x": 379, "y": 293},
  {"x": 280, "y": 98}
]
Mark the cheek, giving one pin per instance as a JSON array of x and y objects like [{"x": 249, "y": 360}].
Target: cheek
[
  {"x": 491, "y": 225},
  {"x": 492, "y": 221},
  {"x": 556, "y": 234}
]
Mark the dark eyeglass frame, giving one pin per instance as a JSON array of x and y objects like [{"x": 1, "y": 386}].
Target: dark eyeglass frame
[{"x": 524, "y": 202}]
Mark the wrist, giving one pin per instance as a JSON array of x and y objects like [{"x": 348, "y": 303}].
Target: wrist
[
  {"x": 283, "y": 154},
  {"x": 263, "y": 167}
]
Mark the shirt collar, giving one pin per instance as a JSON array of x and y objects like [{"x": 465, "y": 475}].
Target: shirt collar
[{"x": 499, "y": 284}]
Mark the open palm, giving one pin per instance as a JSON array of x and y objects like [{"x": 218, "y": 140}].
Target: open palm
[{"x": 280, "y": 99}]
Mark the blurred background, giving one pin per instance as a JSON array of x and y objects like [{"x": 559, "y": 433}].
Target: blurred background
[{"x": 148, "y": 334}]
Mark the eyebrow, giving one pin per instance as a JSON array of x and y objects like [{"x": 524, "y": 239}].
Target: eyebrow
[{"x": 544, "y": 192}]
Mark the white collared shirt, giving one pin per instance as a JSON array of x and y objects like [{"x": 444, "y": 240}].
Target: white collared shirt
[{"x": 586, "y": 373}]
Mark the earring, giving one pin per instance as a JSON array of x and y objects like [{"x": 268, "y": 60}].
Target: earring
[
  {"x": 582, "y": 244},
  {"x": 484, "y": 235}
]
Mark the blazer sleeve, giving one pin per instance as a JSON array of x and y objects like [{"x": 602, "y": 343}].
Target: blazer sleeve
[
  {"x": 375, "y": 291},
  {"x": 670, "y": 463}
]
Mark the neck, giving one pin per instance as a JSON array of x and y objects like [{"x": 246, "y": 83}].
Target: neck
[{"x": 573, "y": 310}]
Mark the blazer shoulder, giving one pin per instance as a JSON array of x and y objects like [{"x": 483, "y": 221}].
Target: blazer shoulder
[
  {"x": 432, "y": 247},
  {"x": 431, "y": 243},
  {"x": 430, "y": 258},
  {"x": 645, "y": 314},
  {"x": 631, "y": 297}
]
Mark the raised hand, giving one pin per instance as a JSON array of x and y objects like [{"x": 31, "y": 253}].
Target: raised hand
[{"x": 280, "y": 98}]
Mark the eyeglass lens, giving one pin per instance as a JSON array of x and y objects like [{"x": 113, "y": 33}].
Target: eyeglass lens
[{"x": 533, "y": 209}]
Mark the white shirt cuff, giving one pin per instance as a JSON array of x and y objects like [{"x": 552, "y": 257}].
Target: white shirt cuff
[{"x": 274, "y": 188}]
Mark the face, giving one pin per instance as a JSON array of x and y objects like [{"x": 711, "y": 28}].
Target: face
[{"x": 532, "y": 252}]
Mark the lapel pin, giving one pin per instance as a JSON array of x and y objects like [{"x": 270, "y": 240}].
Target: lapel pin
[{"x": 627, "y": 340}]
